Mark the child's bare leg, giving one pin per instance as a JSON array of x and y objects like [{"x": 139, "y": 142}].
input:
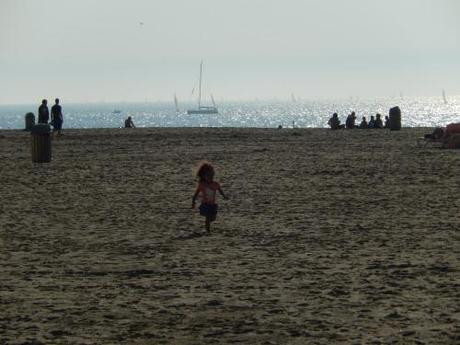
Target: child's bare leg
[{"x": 208, "y": 224}]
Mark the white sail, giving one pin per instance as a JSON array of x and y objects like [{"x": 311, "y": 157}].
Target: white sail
[
  {"x": 444, "y": 96},
  {"x": 176, "y": 104},
  {"x": 199, "y": 88},
  {"x": 212, "y": 100},
  {"x": 203, "y": 109}
]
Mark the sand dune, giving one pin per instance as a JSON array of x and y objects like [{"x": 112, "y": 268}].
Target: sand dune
[{"x": 328, "y": 237}]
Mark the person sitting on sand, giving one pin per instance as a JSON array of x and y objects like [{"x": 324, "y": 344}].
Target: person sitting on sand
[
  {"x": 129, "y": 123},
  {"x": 350, "y": 122},
  {"x": 437, "y": 134},
  {"x": 363, "y": 123},
  {"x": 334, "y": 122},
  {"x": 378, "y": 121},
  {"x": 449, "y": 136},
  {"x": 207, "y": 188},
  {"x": 371, "y": 123}
]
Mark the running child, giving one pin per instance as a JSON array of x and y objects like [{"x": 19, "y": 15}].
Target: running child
[{"x": 207, "y": 188}]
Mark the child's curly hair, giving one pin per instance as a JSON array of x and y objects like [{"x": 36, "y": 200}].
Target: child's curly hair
[{"x": 205, "y": 169}]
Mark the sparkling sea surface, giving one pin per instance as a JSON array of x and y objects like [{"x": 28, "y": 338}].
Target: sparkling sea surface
[{"x": 416, "y": 112}]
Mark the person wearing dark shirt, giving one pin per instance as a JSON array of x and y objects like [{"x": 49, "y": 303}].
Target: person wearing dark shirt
[
  {"x": 43, "y": 112},
  {"x": 371, "y": 123},
  {"x": 350, "y": 122},
  {"x": 363, "y": 123},
  {"x": 378, "y": 121},
  {"x": 129, "y": 123},
  {"x": 56, "y": 117},
  {"x": 334, "y": 122},
  {"x": 387, "y": 122}
]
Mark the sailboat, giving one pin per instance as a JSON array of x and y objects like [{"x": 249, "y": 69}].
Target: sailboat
[
  {"x": 444, "y": 96},
  {"x": 201, "y": 108},
  {"x": 213, "y": 102},
  {"x": 176, "y": 104}
]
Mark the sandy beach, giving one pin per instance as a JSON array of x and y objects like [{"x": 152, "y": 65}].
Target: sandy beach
[{"x": 328, "y": 237}]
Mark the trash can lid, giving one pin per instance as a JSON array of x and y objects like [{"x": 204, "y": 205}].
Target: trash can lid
[{"x": 41, "y": 128}]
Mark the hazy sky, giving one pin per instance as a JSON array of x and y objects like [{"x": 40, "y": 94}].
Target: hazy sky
[{"x": 97, "y": 50}]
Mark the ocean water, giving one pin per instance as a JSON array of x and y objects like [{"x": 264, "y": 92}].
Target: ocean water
[{"x": 416, "y": 112}]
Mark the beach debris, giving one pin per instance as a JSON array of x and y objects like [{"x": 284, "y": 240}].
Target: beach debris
[{"x": 30, "y": 121}]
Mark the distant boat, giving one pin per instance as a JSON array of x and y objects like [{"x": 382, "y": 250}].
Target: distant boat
[
  {"x": 176, "y": 104},
  {"x": 213, "y": 102},
  {"x": 116, "y": 111},
  {"x": 203, "y": 109},
  {"x": 444, "y": 97},
  {"x": 293, "y": 99}
]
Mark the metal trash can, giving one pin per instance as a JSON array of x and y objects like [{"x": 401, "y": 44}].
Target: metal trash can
[
  {"x": 395, "y": 119},
  {"x": 30, "y": 121},
  {"x": 41, "y": 143}
]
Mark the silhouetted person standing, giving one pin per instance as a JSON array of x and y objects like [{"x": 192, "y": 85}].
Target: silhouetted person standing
[
  {"x": 56, "y": 117},
  {"x": 43, "y": 112},
  {"x": 387, "y": 122}
]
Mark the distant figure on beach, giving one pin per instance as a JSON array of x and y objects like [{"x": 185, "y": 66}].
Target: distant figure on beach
[
  {"x": 448, "y": 136},
  {"x": 43, "y": 112},
  {"x": 56, "y": 117},
  {"x": 129, "y": 123},
  {"x": 387, "y": 122},
  {"x": 334, "y": 122},
  {"x": 350, "y": 121},
  {"x": 378, "y": 121},
  {"x": 371, "y": 123},
  {"x": 437, "y": 134},
  {"x": 363, "y": 123},
  {"x": 207, "y": 188}
]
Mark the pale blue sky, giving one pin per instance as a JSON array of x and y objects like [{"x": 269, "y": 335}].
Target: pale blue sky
[{"x": 94, "y": 50}]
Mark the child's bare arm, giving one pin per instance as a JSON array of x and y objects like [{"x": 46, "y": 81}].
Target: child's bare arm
[
  {"x": 194, "y": 198},
  {"x": 222, "y": 193}
]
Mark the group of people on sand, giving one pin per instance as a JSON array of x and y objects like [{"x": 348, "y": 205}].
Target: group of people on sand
[
  {"x": 350, "y": 122},
  {"x": 57, "y": 118}
]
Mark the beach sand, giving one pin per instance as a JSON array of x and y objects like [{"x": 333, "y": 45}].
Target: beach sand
[{"x": 328, "y": 237}]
